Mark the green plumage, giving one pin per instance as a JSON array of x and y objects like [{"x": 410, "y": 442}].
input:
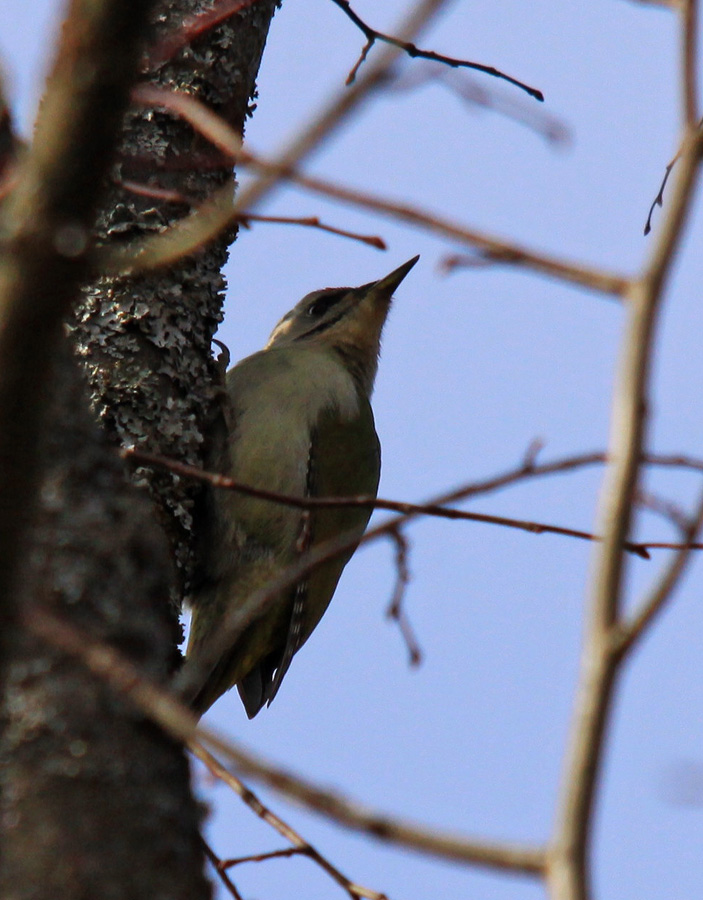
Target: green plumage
[
  {"x": 300, "y": 423},
  {"x": 282, "y": 444}
]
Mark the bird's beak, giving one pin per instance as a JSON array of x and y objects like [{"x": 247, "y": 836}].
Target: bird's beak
[
  {"x": 388, "y": 284},
  {"x": 373, "y": 301}
]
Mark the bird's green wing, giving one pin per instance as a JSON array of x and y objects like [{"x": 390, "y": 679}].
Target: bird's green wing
[{"x": 344, "y": 461}]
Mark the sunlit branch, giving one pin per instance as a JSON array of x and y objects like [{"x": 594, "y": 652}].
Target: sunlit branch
[
  {"x": 689, "y": 61},
  {"x": 568, "y": 874},
  {"x": 492, "y": 248},
  {"x": 219, "y": 210}
]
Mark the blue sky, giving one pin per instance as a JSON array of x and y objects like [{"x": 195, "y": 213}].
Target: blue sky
[{"x": 474, "y": 366}]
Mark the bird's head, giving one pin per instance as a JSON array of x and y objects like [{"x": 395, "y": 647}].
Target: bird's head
[{"x": 347, "y": 320}]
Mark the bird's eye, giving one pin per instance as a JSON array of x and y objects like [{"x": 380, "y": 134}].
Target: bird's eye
[{"x": 320, "y": 305}]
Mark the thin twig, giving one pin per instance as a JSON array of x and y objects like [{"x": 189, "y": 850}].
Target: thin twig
[
  {"x": 629, "y": 633},
  {"x": 341, "y": 105},
  {"x": 169, "y": 195},
  {"x": 219, "y": 870},
  {"x": 689, "y": 91},
  {"x": 396, "y": 608},
  {"x": 372, "y": 35},
  {"x": 663, "y": 507},
  {"x": 300, "y": 846},
  {"x": 373, "y": 240},
  {"x": 161, "y": 707},
  {"x": 216, "y": 213},
  {"x": 528, "y": 469},
  {"x": 672, "y": 545},
  {"x": 659, "y": 199},
  {"x": 166, "y": 195},
  {"x": 204, "y": 120},
  {"x": 406, "y": 509},
  {"x": 257, "y": 604},
  {"x": 475, "y": 93},
  {"x": 485, "y": 255},
  {"x": 262, "y": 857}
]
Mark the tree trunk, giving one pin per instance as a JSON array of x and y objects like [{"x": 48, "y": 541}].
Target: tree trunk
[{"x": 96, "y": 800}]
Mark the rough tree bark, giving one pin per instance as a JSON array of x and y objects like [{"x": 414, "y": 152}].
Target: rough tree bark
[{"x": 96, "y": 800}]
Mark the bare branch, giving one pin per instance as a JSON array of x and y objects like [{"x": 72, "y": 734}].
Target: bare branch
[
  {"x": 406, "y": 509},
  {"x": 372, "y": 36},
  {"x": 220, "y": 870},
  {"x": 300, "y": 846},
  {"x": 689, "y": 90},
  {"x": 474, "y": 92},
  {"x": 659, "y": 199},
  {"x": 341, "y": 105},
  {"x": 181, "y": 723},
  {"x": 629, "y": 633},
  {"x": 672, "y": 545},
  {"x": 219, "y": 210},
  {"x": 492, "y": 248},
  {"x": 372, "y": 240},
  {"x": 568, "y": 871},
  {"x": 396, "y": 609},
  {"x": 596, "y": 279},
  {"x": 206, "y": 122},
  {"x": 216, "y": 214},
  {"x": 261, "y": 857},
  {"x": 259, "y": 602},
  {"x": 168, "y": 195},
  {"x": 667, "y": 509},
  {"x": 689, "y": 61}
]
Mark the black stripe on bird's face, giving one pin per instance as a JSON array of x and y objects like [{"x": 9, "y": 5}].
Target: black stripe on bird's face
[
  {"x": 320, "y": 311},
  {"x": 314, "y": 314},
  {"x": 324, "y": 302}
]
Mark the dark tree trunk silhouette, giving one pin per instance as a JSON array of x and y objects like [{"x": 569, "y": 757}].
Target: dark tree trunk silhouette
[{"x": 95, "y": 799}]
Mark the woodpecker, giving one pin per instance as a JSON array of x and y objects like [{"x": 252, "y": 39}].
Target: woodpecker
[{"x": 300, "y": 424}]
